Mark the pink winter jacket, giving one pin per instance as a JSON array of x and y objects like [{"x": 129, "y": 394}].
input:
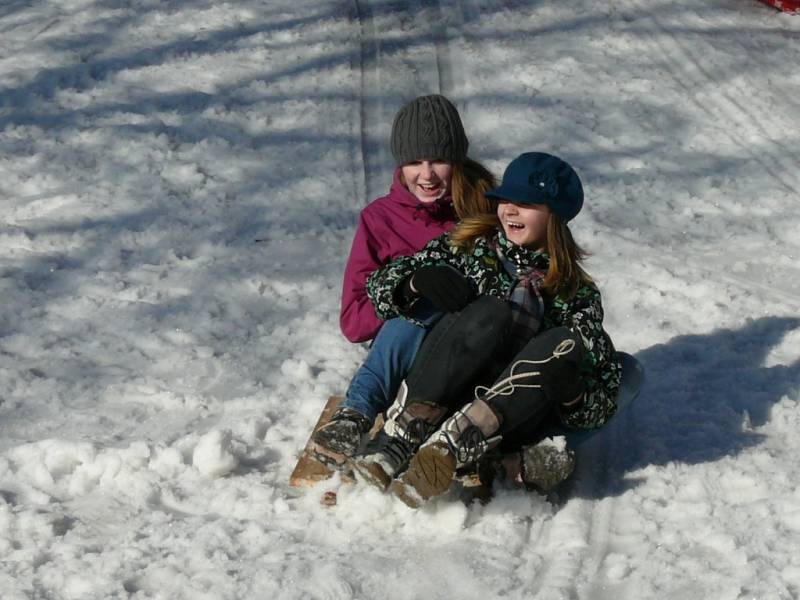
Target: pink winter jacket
[{"x": 397, "y": 224}]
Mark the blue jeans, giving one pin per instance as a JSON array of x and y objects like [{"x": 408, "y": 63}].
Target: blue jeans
[{"x": 375, "y": 384}]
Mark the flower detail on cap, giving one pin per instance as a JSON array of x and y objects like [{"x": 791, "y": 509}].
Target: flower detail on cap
[{"x": 545, "y": 182}]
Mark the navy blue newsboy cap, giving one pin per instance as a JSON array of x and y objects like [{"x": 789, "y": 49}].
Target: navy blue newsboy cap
[{"x": 540, "y": 178}]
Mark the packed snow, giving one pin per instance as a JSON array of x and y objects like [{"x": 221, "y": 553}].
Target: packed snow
[{"x": 179, "y": 184}]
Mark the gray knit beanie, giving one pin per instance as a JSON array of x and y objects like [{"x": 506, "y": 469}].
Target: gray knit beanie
[{"x": 428, "y": 127}]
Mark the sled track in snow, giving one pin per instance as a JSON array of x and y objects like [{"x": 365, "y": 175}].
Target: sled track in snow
[
  {"x": 389, "y": 75},
  {"x": 689, "y": 73},
  {"x": 425, "y": 57},
  {"x": 374, "y": 156},
  {"x": 574, "y": 543}
]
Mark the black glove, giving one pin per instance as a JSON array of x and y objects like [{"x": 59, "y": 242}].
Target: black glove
[{"x": 445, "y": 287}]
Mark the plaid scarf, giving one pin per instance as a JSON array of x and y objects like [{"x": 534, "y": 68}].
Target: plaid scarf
[{"x": 528, "y": 268}]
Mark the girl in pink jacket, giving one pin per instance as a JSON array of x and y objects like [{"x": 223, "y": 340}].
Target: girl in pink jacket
[{"x": 435, "y": 184}]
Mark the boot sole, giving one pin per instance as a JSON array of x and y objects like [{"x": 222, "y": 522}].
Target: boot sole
[
  {"x": 407, "y": 494},
  {"x": 372, "y": 473},
  {"x": 429, "y": 474},
  {"x": 329, "y": 457}
]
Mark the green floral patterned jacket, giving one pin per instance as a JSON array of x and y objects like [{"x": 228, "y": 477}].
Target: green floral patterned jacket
[{"x": 582, "y": 314}]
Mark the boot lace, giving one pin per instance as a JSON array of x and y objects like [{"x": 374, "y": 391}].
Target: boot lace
[
  {"x": 507, "y": 386},
  {"x": 401, "y": 444},
  {"x": 470, "y": 445},
  {"x": 397, "y": 450},
  {"x": 400, "y": 447},
  {"x": 417, "y": 431},
  {"x": 465, "y": 439}
]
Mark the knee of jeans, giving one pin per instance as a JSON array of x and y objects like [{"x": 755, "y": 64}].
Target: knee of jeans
[{"x": 398, "y": 328}]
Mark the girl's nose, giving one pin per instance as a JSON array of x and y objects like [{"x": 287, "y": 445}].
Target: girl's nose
[{"x": 427, "y": 170}]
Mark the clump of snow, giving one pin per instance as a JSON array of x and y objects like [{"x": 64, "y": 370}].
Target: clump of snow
[
  {"x": 556, "y": 442},
  {"x": 213, "y": 455}
]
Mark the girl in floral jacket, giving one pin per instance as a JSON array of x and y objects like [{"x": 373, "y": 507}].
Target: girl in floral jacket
[{"x": 535, "y": 334}]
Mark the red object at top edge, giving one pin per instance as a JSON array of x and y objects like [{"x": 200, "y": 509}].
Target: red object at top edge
[{"x": 789, "y": 6}]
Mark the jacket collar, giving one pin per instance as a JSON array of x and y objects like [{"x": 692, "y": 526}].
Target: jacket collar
[{"x": 524, "y": 259}]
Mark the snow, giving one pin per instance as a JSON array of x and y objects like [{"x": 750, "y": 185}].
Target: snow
[{"x": 180, "y": 182}]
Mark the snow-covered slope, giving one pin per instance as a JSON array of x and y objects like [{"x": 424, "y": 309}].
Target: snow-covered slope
[{"x": 179, "y": 183}]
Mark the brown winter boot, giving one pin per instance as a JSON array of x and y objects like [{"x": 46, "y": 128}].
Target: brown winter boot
[
  {"x": 461, "y": 441},
  {"x": 407, "y": 426},
  {"x": 341, "y": 437},
  {"x": 540, "y": 467}
]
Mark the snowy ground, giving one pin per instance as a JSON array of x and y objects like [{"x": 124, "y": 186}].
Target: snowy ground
[{"x": 179, "y": 182}]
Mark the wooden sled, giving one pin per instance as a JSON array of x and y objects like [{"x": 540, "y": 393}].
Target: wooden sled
[{"x": 309, "y": 470}]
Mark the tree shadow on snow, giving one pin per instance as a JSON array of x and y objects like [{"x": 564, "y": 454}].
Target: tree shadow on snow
[
  {"x": 182, "y": 224},
  {"x": 703, "y": 399}
]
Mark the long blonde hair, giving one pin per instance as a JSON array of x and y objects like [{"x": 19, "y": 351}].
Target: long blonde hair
[
  {"x": 468, "y": 184},
  {"x": 565, "y": 274}
]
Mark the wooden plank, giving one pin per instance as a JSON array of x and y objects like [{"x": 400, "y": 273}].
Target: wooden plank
[{"x": 309, "y": 471}]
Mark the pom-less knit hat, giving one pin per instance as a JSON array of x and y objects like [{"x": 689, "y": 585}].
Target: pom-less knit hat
[
  {"x": 428, "y": 127},
  {"x": 539, "y": 178}
]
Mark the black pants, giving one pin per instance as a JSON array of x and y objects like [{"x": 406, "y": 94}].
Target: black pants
[
  {"x": 456, "y": 350},
  {"x": 527, "y": 413},
  {"x": 471, "y": 347}
]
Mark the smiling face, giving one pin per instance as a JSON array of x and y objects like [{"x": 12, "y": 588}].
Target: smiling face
[
  {"x": 524, "y": 224},
  {"x": 428, "y": 180}
]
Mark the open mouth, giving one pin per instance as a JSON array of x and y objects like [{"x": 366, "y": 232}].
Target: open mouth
[
  {"x": 514, "y": 226},
  {"x": 429, "y": 192},
  {"x": 430, "y": 188}
]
